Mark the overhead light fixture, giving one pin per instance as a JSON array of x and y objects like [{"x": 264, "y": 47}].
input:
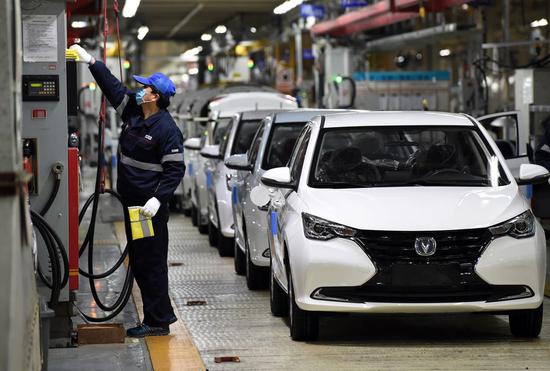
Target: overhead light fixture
[
  {"x": 206, "y": 37},
  {"x": 130, "y": 8},
  {"x": 142, "y": 31},
  {"x": 539, "y": 23},
  {"x": 79, "y": 24},
  {"x": 253, "y": 29},
  {"x": 287, "y": 6},
  {"x": 221, "y": 29},
  {"x": 191, "y": 52},
  {"x": 444, "y": 52}
]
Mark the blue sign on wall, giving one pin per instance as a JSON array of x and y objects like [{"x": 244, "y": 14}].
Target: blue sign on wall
[
  {"x": 402, "y": 76},
  {"x": 354, "y": 3},
  {"x": 308, "y": 54},
  {"x": 310, "y": 10}
]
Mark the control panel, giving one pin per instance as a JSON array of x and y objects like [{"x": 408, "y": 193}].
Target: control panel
[{"x": 40, "y": 87}]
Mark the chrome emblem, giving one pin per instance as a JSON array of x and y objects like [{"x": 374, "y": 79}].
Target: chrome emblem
[{"x": 425, "y": 246}]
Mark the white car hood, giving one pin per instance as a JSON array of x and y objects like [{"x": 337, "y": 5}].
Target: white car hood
[{"x": 415, "y": 208}]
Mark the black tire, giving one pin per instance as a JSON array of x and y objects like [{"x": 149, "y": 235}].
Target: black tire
[
  {"x": 257, "y": 278},
  {"x": 187, "y": 212},
  {"x": 239, "y": 259},
  {"x": 278, "y": 298},
  {"x": 212, "y": 234},
  {"x": 194, "y": 216},
  {"x": 203, "y": 228},
  {"x": 304, "y": 325},
  {"x": 225, "y": 245},
  {"x": 526, "y": 323}
]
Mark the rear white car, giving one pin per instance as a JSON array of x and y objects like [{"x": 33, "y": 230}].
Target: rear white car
[
  {"x": 222, "y": 110},
  {"x": 237, "y": 139},
  {"x": 402, "y": 212}
]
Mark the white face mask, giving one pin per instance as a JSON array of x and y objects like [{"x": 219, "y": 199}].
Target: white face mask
[{"x": 139, "y": 97}]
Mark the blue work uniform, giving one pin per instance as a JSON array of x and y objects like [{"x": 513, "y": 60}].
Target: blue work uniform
[{"x": 150, "y": 164}]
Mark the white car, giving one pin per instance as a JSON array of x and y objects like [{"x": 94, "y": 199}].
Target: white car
[
  {"x": 237, "y": 139},
  {"x": 271, "y": 147},
  {"x": 221, "y": 111},
  {"x": 402, "y": 212}
]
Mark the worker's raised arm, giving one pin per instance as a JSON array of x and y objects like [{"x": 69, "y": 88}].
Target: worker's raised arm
[{"x": 120, "y": 97}]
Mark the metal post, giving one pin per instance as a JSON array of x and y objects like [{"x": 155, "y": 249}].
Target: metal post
[{"x": 19, "y": 310}]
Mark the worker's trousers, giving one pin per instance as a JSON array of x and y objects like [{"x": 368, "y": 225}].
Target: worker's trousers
[{"x": 148, "y": 260}]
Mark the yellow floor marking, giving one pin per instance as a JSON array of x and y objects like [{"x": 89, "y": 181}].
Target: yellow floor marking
[
  {"x": 175, "y": 351},
  {"x": 547, "y": 289}
]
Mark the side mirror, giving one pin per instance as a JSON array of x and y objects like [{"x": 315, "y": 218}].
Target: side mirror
[
  {"x": 239, "y": 162},
  {"x": 532, "y": 174},
  {"x": 193, "y": 144},
  {"x": 211, "y": 152},
  {"x": 278, "y": 177}
]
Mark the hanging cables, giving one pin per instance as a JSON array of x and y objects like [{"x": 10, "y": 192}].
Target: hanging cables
[{"x": 93, "y": 201}]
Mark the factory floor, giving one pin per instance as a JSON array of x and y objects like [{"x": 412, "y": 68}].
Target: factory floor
[{"x": 219, "y": 317}]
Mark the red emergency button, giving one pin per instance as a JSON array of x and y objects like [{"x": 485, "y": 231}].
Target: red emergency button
[{"x": 39, "y": 113}]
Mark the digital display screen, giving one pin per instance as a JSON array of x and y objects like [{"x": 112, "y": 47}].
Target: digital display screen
[{"x": 36, "y": 85}]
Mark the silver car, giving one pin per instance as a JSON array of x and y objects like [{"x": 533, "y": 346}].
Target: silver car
[
  {"x": 236, "y": 140},
  {"x": 270, "y": 148}
]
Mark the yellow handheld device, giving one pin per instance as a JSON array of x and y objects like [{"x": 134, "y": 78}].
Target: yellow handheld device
[{"x": 141, "y": 225}]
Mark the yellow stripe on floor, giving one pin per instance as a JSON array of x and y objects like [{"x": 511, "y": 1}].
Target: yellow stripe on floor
[{"x": 175, "y": 351}]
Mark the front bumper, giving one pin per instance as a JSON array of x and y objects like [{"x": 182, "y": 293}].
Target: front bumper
[{"x": 506, "y": 265}]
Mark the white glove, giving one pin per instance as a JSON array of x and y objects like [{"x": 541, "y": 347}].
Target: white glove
[
  {"x": 150, "y": 208},
  {"x": 83, "y": 55}
]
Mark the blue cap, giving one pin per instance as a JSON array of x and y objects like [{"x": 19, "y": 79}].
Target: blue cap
[{"x": 160, "y": 81}]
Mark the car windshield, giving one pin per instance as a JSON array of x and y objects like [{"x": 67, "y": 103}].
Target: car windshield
[
  {"x": 245, "y": 134},
  {"x": 394, "y": 156},
  {"x": 219, "y": 129},
  {"x": 280, "y": 144}
]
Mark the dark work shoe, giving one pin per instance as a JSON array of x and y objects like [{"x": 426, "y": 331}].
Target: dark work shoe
[{"x": 143, "y": 330}]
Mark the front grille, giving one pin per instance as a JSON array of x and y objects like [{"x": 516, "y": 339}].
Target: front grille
[
  {"x": 386, "y": 248},
  {"x": 405, "y": 276}
]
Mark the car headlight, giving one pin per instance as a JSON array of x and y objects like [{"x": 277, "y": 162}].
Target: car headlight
[
  {"x": 521, "y": 226},
  {"x": 320, "y": 229}
]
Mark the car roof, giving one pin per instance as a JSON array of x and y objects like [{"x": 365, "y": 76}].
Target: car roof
[
  {"x": 258, "y": 114},
  {"x": 304, "y": 114},
  {"x": 396, "y": 118},
  {"x": 237, "y": 102}
]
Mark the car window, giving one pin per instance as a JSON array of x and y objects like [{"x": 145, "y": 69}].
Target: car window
[
  {"x": 225, "y": 137},
  {"x": 256, "y": 143},
  {"x": 405, "y": 156},
  {"x": 297, "y": 159},
  {"x": 504, "y": 131},
  {"x": 244, "y": 135},
  {"x": 220, "y": 129},
  {"x": 280, "y": 144}
]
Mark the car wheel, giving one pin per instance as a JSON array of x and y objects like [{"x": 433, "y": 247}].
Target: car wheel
[
  {"x": 225, "y": 244},
  {"x": 257, "y": 278},
  {"x": 278, "y": 298},
  {"x": 194, "y": 216},
  {"x": 304, "y": 325},
  {"x": 212, "y": 234},
  {"x": 239, "y": 259},
  {"x": 203, "y": 228},
  {"x": 187, "y": 212},
  {"x": 526, "y": 323}
]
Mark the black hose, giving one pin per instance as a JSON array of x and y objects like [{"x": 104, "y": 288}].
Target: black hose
[
  {"x": 88, "y": 244},
  {"x": 52, "y": 197},
  {"x": 56, "y": 253}
]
